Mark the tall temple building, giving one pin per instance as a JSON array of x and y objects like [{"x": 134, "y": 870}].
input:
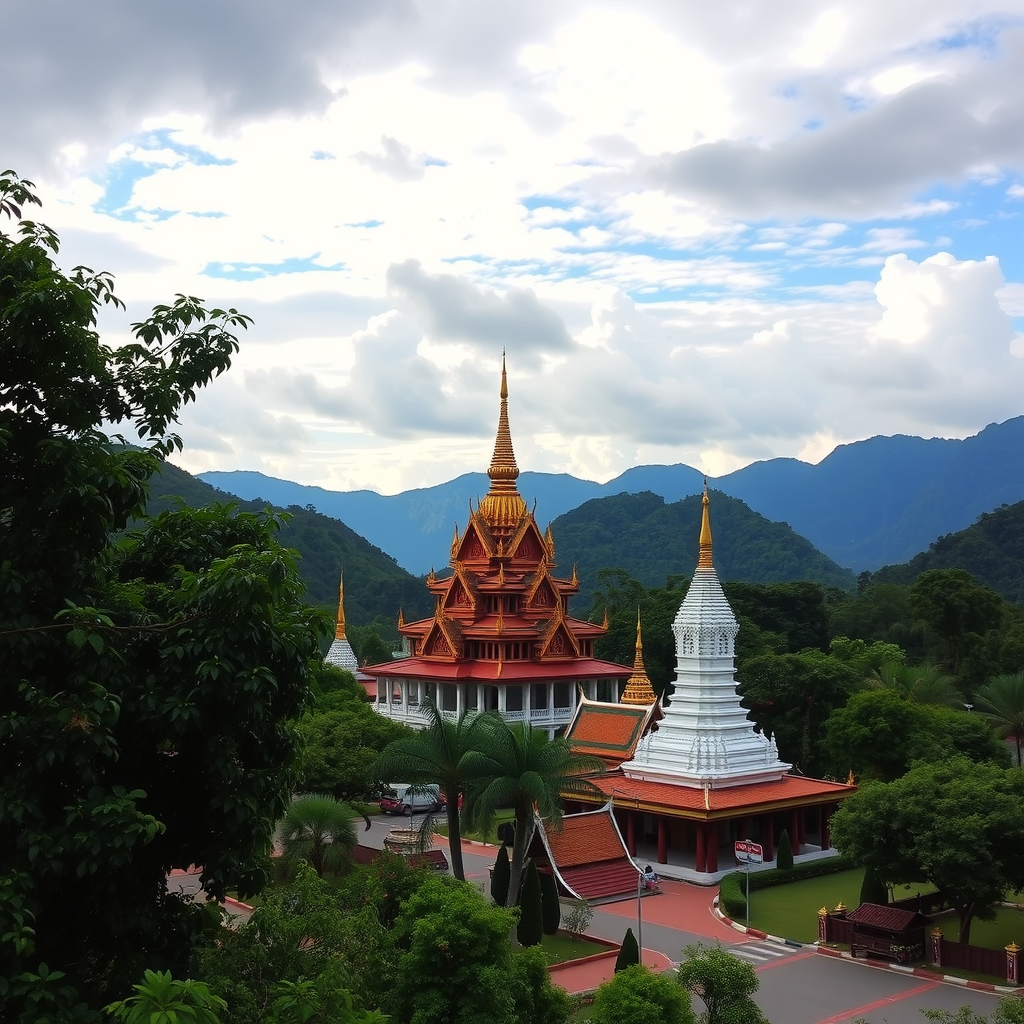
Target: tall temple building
[
  {"x": 688, "y": 782},
  {"x": 501, "y": 637}
]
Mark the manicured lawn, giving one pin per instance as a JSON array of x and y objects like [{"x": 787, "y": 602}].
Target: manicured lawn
[
  {"x": 1006, "y": 928},
  {"x": 792, "y": 910},
  {"x": 560, "y": 948},
  {"x": 441, "y": 827}
]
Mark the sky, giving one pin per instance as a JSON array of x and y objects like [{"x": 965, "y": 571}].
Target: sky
[{"x": 702, "y": 233}]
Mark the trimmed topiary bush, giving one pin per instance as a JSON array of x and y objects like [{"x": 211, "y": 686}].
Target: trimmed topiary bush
[
  {"x": 784, "y": 853},
  {"x": 551, "y": 909},
  {"x": 629, "y": 952},
  {"x": 873, "y": 889},
  {"x": 500, "y": 877},
  {"x": 530, "y": 929}
]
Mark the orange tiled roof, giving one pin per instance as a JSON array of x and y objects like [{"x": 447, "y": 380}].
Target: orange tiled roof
[
  {"x": 604, "y": 729},
  {"x": 585, "y": 839},
  {"x": 630, "y": 792}
]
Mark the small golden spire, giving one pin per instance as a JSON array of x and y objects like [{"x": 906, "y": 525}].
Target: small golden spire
[
  {"x": 339, "y": 629},
  {"x": 704, "y": 561},
  {"x": 604, "y": 624},
  {"x": 638, "y": 686},
  {"x": 501, "y": 574},
  {"x": 401, "y": 618},
  {"x": 549, "y": 542},
  {"x": 455, "y": 542},
  {"x": 431, "y": 578},
  {"x": 499, "y": 626},
  {"x": 503, "y": 505},
  {"x": 575, "y": 581}
]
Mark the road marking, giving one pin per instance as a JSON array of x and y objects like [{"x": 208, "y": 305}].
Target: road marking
[
  {"x": 761, "y": 952},
  {"x": 878, "y": 1004}
]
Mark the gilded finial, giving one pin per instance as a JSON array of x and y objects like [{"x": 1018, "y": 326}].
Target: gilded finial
[
  {"x": 638, "y": 686},
  {"x": 503, "y": 505},
  {"x": 431, "y": 578},
  {"x": 401, "y": 618},
  {"x": 604, "y": 625},
  {"x": 455, "y": 542},
  {"x": 575, "y": 581},
  {"x": 339, "y": 629},
  {"x": 549, "y": 541},
  {"x": 704, "y": 561}
]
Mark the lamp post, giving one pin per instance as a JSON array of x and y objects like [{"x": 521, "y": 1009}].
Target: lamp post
[{"x": 640, "y": 917}]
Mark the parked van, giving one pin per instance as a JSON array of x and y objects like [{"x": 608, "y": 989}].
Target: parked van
[{"x": 399, "y": 798}]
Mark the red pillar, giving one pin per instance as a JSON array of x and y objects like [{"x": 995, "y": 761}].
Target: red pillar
[
  {"x": 711, "y": 854},
  {"x": 662, "y": 842},
  {"x": 631, "y": 833},
  {"x": 794, "y": 830},
  {"x": 702, "y": 864},
  {"x": 826, "y": 837},
  {"x": 802, "y": 818},
  {"x": 768, "y": 836}
]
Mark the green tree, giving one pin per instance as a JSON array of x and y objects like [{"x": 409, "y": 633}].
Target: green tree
[
  {"x": 1008, "y": 1011},
  {"x": 535, "y": 999},
  {"x": 455, "y": 961},
  {"x": 527, "y": 770},
  {"x": 790, "y": 696},
  {"x": 629, "y": 952},
  {"x": 148, "y": 684},
  {"x": 724, "y": 984},
  {"x": 955, "y": 824},
  {"x": 954, "y": 605},
  {"x": 450, "y": 754},
  {"x": 1002, "y": 703},
  {"x": 500, "y": 876},
  {"x": 874, "y": 889},
  {"x": 530, "y": 929},
  {"x": 637, "y": 995},
  {"x": 550, "y": 904},
  {"x": 369, "y": 646},
  {"x": 161, "y": 999},
  {"x": 320, "y": 830},
  {"x": 784, "y": 853},
  {"x": 922, "y": 684}
]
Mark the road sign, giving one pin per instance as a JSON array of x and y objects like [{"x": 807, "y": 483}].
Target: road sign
[{"x": 748, "y": 852}]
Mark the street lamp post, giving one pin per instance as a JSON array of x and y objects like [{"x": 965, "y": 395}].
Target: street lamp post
[{"x": 640, "y": 916}]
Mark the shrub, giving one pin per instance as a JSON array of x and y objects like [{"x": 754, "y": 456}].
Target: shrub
[
  {"x": 639, "y": 996},
  {"x": 629, "y": 952},
  {"x": 784, "y": 853},
  {"x": 530, "y": 929},
  {"x": 551, "y": 908},
  {"x": 577, "y": 921},
  {"x": 500, "y": 877}
]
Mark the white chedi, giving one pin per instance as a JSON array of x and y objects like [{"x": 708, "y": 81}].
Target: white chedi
[{"x": 706, "y": 738}]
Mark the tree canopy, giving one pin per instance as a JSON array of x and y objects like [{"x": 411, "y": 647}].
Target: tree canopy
[
  {"x": 956, "y": 824},
  {"x": 149, "y": 683}
]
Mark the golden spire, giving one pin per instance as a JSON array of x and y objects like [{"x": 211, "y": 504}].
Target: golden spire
[
  {"x": 604, "y": 625},
  {"x": 401, "y": 618},
  {"x": 549, "y": 542},
  {"x": 339, "y": 630},
  {"x": 704, "y": 561},
  {"x": 455, "y": 542},
  {"x": 575, "y": 581},
  {"x": 503, "y": 505},
  {"x": 638, "y": 686}
]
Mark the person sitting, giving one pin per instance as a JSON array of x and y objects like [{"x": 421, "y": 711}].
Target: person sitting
[{"x": 651, "y": 878}]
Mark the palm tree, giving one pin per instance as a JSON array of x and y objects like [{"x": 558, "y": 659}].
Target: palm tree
[
  {"x": 531, "y": 773},
  {"x": 1002, "y": 703},
  {"x": 319, "y": 829},
  {"x": 449, "y": 754},
  {"x": 921, "y": 684}
]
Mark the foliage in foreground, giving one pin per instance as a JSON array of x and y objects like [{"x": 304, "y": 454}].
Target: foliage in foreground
[
  {"x": 636, "y": 995},
  {"x": 723, "y": 983}
]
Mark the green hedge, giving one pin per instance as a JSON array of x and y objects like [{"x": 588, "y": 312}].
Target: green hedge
[{"x": 732, "y": 891}]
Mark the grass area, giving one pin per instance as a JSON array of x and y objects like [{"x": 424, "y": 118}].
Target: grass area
[
  {"x": 1006, "y": 928},
  {"x": 491, "y": 836},
  {"x": 561, "y": 948}
]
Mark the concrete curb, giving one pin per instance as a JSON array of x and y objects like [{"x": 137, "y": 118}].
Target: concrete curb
[{"x": 752, "y": 932}]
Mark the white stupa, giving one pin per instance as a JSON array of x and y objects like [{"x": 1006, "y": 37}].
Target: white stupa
[
  {"x": 340, "y": 653},
  {"x": 705, "y": 738}
]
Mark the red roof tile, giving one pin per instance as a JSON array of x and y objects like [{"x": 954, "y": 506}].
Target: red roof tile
[
  {"x": 629, "y": 792},
  {"x": 608, "y": 728},
  {"x": 488, "y": 671},
  {"x": 873, "y": 915},
  {"x": 585, "y": 839}
]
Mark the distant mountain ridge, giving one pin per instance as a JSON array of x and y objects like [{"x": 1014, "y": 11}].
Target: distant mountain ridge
[
  {"x": 652, "y": 540},
  {"x": 868, "y": 504}
]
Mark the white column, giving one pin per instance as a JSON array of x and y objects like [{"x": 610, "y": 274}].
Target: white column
[
  {"x": 551, "y": 701},
  {"x": 419, "y": 691},
  {"x": 502, "y": 691},
  {"x": 403, "y": 687},
  {"x": 460, "y": 700},
  {"x": 592, "y": 689}
]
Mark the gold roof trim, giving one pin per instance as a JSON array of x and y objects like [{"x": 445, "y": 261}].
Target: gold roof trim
[
  {"x": 503, "y": 505},
  {"x": 339, "y": 629},
  {"x": 638, "y": 686},
  {"x": 704, "y": 561}
]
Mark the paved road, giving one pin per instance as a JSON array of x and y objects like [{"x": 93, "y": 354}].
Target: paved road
[{"x": 798, "y": 986}]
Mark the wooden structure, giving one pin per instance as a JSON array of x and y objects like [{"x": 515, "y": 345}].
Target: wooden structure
[{"x": 889, "y": 932}]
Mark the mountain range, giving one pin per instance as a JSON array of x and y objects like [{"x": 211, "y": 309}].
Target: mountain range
[{"x": 868, "y": 504}]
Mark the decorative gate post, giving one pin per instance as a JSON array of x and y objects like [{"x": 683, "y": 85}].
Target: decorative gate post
[
  {"x": 936, "y": 943},
  {"x": 1011, "y": 963},
  {"x": 823, "y": 925}
]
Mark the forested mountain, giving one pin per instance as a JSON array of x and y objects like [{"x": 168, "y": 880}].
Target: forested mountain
[
  {"x": 374, "y": 585},
  {"x": 869, "y": 503},
  {"x": 992, "y": 551},
  {"x": 652, "y": 540}
]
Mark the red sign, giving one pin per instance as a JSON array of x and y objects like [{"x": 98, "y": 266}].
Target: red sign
[{"x": 749, "y": 853}]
